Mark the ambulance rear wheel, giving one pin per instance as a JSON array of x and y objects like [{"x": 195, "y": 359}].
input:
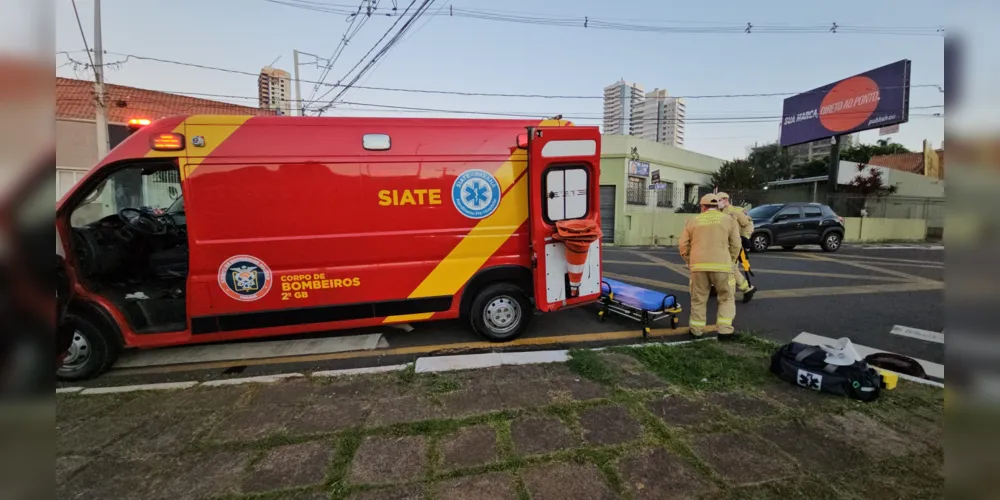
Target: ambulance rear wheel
[{"x": 500, "y": 312}]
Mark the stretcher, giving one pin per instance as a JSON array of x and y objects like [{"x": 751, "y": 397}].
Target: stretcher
[{"x": 640, "y": 304}]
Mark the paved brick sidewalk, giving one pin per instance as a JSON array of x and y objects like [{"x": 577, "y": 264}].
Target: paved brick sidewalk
[{"x": 696, "y": 421}]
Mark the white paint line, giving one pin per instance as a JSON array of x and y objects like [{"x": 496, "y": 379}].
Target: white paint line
[
  {"x": 263, "y": 379},
  {"x": 142, "y": 387},
  {"x": 648, "y": 344},
  {"x": 249, "y": 350},
  {"x": 533, "y": 357},
  {"x": 460, "y": 362},
  {"x": 359, "y": 371},
  {"x": 916, "y": 333},
  {"x": 931, "y": 369},
  {"x": 68, "y": 390}
]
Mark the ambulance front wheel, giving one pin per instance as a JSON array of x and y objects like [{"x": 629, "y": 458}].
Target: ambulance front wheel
[
  {"x": 92, "y": 352},
  {"x": 500, "y": 312}
]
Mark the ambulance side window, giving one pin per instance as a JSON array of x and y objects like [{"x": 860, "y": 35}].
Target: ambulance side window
[{"x": 566, "y": 193}]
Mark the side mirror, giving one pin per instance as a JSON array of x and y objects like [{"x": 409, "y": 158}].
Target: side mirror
[{"x": 522, "y": 141}]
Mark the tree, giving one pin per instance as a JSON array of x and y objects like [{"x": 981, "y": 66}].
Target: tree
[
  {"x": 813, "y": 168},
  {"x": 863, "y": 153},
  {"x": 739, "y": 178},
  {"x": 870, "y": 183},
  {"x": 772, "y": 161}
]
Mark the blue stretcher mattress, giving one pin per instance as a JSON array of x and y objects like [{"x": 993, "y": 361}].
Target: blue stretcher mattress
[{"x": 639, "y": 298}]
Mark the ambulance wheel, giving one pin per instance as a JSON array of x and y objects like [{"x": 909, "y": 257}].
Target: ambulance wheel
[
  {"x": 92, "y": 352},
  {"x": 500, "y": 312}
]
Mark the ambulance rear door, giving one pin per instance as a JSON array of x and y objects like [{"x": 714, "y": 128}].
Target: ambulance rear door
[{"x": 564, "y": 171}]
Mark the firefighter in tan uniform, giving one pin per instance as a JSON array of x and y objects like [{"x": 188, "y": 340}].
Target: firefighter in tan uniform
[
  {"x": 739, "y": 282},
  {"x": 709, "y": 245}
]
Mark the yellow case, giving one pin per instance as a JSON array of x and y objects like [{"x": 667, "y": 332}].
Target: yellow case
[{"x": 889, "y": 379}]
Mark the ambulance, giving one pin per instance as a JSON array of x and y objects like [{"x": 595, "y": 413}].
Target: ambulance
[{"x": 212, "y": 228}]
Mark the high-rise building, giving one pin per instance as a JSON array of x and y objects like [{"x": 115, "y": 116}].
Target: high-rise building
[
  {"x": 273, "y": 89},
  {"x": 809, "y": 151},
  {"x": 661, "y": 119},
  {"x": 621, "y": 104}
]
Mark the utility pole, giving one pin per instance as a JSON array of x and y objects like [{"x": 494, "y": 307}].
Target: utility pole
[
  {"x": 99, "y": 103},
  {"x": 833, "y": 169},
  {"x": 298, "y": 84}
]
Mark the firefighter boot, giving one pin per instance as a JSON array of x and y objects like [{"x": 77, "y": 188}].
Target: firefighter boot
[{"x": 727, "y": 304}]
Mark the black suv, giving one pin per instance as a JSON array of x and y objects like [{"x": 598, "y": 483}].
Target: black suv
[{"x": 791, "y": 224}]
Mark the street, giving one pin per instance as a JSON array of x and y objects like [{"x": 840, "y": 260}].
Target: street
[{"x": 860, "y": 292}]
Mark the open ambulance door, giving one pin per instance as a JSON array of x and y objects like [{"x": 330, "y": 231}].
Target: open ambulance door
[{"x": 564, "y": 171}]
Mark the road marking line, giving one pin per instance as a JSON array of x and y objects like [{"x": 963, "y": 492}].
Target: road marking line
[
  {"x": 68, "y": 390},
  {"x": 677, "y": 268},
  {"x": 916, "y": 333},
  {"x": 932, "y": 369},
  {"x": 359, "y": 371},
  {"x": 402, "y": 351},
  {"x": 263, "y": 379},
  {"x": 859, "y": 265},
  {"x": 791, "y": 293},
  {"x": 141, "y": 387},
  {"x": 847, "y": 290},
  {"x": 781, "y": 271}
]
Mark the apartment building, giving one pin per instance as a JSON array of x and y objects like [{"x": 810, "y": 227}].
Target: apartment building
[
  {"x": 274, "y": 87},
  {"x": 661, "y": 119},
  {"x": 621, "y": 105}
]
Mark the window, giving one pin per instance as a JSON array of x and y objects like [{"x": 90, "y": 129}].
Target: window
[
  {"x": 790, "y": 213},
  {"x": 811, "y": 212},
  {"x": 665, "y": 196},
  {"x": 763, "y": 211},
  {"x": 67, "y": 178},
  {"x": 566, "y": 193},
  {"x": 635, "y": 192},
  {"x": 155, "y": 187}
]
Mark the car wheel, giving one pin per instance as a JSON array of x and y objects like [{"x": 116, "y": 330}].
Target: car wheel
[
  {"x": 93, "y": 350},
  {"x": 788, "y": 247},
  {"x": 831, "y": 243},
  {"x": 501, "y": 312},
  {"x": 760, "y": 242}
]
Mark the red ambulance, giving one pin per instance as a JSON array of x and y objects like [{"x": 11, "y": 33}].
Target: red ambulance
[{"x": 213, "y": 228}]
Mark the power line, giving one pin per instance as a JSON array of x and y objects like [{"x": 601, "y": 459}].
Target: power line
[
  {"x": 337, "y": 52},
  {"x": 128, "y": 57},
  {"x": 79, "y": 24},
  {"x": 380, "y": 53},
  {"x": 645, "y": 25}
]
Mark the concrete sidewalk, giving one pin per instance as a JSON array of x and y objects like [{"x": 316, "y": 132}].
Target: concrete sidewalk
[{"x": 702, "y": 420}]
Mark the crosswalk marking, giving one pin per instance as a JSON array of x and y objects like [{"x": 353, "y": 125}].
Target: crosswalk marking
[
  {"x": 916, "y": 333},
  {"x": 931, "y": 369}
]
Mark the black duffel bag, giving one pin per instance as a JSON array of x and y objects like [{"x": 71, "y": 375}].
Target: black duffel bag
[{"x": 806, "y": 366}]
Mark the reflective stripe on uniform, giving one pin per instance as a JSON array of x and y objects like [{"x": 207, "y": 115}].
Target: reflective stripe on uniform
[
  {"x": 724, "y": 321},
  {"x": 695, "y": 322},
  {"x": 712, "y": 267}
]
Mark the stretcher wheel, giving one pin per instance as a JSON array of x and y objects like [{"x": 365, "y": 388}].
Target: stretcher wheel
[
  {"x": 601, "y": 317},
  {"x": 674, "y": 322}
]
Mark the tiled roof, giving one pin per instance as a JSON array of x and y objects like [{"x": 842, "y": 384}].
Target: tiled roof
[
  {"x": 906, "y": 162},
  {"x": 75, "y": 99}
]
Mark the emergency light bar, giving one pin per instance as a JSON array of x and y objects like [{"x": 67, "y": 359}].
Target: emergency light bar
[
  {"x": 137, "y": 123},
  {"x": 167, "y": 142}
]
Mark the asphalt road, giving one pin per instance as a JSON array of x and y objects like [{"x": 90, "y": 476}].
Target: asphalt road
[{"x": 858, "y": 292}]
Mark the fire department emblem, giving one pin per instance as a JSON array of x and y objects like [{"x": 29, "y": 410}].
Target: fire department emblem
[
  {"x": 245, "y": 278},
  {"x": 476, "y": 194}
]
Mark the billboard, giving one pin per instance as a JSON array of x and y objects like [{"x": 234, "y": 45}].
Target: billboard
[
  {"x": 638, "y": 168},
  {"x": 873, "y": 99}
]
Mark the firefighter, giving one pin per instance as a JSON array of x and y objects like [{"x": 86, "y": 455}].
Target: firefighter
[
  {"x": 739, "y": 282},
  {"x": 709, "y": 245}
]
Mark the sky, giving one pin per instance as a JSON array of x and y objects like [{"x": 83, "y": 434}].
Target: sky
[{"x": 489, "y": 56}]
